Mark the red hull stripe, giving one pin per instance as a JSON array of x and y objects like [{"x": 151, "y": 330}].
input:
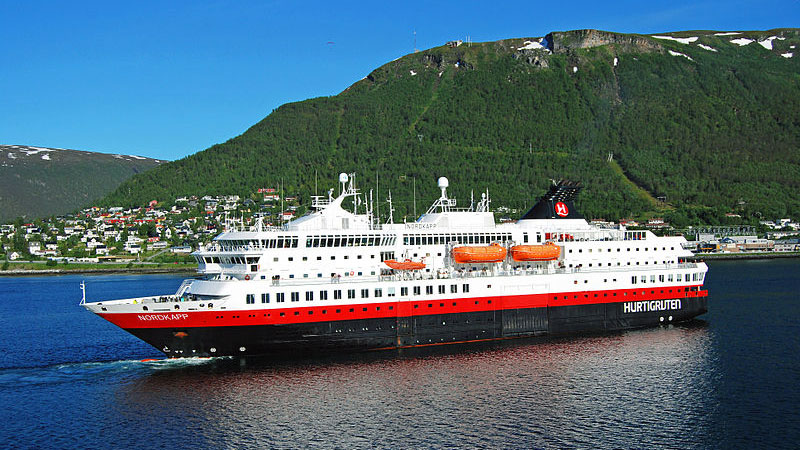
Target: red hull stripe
[{"x": 334, "y": 312}]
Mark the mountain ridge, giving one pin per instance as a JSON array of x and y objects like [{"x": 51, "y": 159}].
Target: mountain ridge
[
  {"x": 42, "y": 181},
  {"x": 708, "y": 123}
]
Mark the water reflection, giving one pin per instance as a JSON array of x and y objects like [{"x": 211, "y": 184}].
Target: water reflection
[{"x": 634, "y": 389}]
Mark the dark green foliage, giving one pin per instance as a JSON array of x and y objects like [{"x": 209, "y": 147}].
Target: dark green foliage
[{"x": 712, "y": 134}]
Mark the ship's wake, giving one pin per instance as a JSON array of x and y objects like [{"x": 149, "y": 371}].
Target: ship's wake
[{"x": 86, "y": 371}]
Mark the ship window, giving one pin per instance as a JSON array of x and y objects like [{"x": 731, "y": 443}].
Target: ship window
[
  {"x": 465, "y": 287},
  {"x": 264, "y": 298},
  {"x": 359, "y": 256},
  {"x": 364, "y": 293},
  {"x": 633, "y": 279},
  {"x": 309, "y": 296},
  {"x": 661, "y": 278},
  {"x": 275, "y": 259},
  {"x": 429, "y": 290},
  {"x": 441, "y": 289},
  {"x": 417, "y": 290},
  {"x": 378, "y": 292},
  {"x": 283, "y": 314},
  {"x": 390, "y": 292},
  {"x": 279, "y": 297},
  {"x": 453, "y": 288},
  {"x": 337, "y": 294},
  {"x": 403, "y": 291},
  {"x": 679, "y": 277},
  {"x": 351, "y": 293},
  {"x": 643, "y": 278},
  {"x": 652, "y": 278},
  {"x": 332, "y": 258},
  {"x": 295, "y": 296},
  {"x": 323, "y": 295},
  {"x": 251, "y": 298}
]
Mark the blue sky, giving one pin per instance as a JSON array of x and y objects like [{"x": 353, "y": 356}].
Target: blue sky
[{"x": 168, "y": 79}]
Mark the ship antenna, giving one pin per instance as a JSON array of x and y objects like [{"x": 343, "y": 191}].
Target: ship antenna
[
  {"x": 391, "y": 208},
  {"x": 83, "y": 291},
  {"x": 472, "y": 200},
  {"x": 415, "y": 198}
]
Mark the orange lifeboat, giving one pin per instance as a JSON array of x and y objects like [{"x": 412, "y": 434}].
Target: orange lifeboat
[
  {"x": 546, "y": 252},
  {"x": 487, "y": 254},
  {"x": 404, "y": 265}
]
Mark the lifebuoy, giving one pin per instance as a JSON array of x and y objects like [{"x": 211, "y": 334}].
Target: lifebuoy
[
  {"x": 351, "y": 273},
  {"x": 247, "y": 277}
]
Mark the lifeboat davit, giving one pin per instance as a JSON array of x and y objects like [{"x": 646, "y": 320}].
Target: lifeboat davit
[
  {"x": 546, "y": 252},
  {"x": 404, "y": 265},
  {"x": 486, "y": 254}
]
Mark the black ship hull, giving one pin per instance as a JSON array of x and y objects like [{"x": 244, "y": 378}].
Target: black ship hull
[{"x": 417, "y": 330}]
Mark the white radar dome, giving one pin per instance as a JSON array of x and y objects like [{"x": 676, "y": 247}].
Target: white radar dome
[
  {"x": 343, "y": 177},
  {"x": 443, "y": 182}
]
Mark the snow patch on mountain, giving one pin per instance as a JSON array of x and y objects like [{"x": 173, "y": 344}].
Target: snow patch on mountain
[
  {"x": 681, "y": 40},
  {"x": 787, "y": 54},
  {"x": 680, "y": 54},
  {"x": 741, "y": 41},
  {"x": 729, "y": 33},
  {"x": 533, "y": 45},
  {"x": 767, "y": 43},
  {"x": 706, "y": 47}
]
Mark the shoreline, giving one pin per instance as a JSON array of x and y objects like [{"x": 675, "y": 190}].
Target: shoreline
[
  {"x": 98, "y": 270},
  {"x": 742, "y": 256}
]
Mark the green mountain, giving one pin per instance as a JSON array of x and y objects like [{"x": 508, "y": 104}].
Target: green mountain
[
  {"x": 686, "y": 125},
  {"x": 38, "y": 182}
]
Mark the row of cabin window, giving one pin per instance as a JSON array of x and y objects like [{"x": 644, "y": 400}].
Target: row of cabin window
[
  {"x": 370, "y": 240},
  {"x": 696, "y": 276},
  {"x": 280, "y": 297},
  {"x": 618, "y": 263},
  {"x": 230, "y": 259},
  {"x": 655, "y": 249},
  {"x": 278, "y": 242},
  {"x": 462, "y": 238}
]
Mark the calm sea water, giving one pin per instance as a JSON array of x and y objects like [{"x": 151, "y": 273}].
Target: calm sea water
[{"x": 68, "y": 379}]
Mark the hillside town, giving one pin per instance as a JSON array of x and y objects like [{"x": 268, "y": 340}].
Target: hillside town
[
  {"x": 170, "y": 232},
  {"x": 157, "y": 232}
]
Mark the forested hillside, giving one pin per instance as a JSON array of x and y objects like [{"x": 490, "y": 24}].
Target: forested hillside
[
  {"x": 39, "y": 182},
  {"x": 708, "y": 121}
]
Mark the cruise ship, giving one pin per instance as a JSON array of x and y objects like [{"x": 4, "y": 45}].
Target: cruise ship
[{"x": 337, "y": 280}]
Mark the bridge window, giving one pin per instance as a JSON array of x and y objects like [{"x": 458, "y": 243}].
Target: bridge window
[
  {"x": 250, "y": 299},
  {"x": 264, "y": 298}
]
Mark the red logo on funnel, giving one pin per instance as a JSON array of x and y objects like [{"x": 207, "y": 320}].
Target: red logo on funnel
[{"x": 561, "y": 209}]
